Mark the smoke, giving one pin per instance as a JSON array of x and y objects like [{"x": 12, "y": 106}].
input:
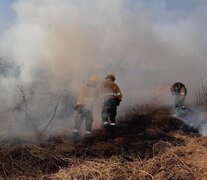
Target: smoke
[
  {"x": 195, "y": 118},
  {"x": 58, "y": 44}
]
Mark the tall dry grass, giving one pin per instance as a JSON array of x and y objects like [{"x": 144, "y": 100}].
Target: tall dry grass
[{"x": 201, "y": 94}]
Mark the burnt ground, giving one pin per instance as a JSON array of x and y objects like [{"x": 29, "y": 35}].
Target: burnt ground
[{"x": 148, "y": 144}]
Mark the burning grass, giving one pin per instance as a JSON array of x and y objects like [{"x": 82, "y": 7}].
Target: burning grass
[{"x": 147, "y": 145}]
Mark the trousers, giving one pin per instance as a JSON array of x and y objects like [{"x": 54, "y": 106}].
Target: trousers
[
  {"x": 109, "y": 112},
  {"x": 81, "y": 114}
]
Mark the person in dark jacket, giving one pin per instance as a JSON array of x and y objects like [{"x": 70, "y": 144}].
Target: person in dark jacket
[
  {"x": 179, "y": 90},
  {"x": 111, "y": 96}
]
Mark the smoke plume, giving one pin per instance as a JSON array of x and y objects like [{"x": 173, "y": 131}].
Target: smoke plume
[{"x": 55, "y": 45}]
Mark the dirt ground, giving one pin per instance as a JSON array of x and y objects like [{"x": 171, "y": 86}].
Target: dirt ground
[{"x": 148, "y": 144}]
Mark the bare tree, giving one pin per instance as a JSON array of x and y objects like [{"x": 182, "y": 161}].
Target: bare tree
[{"x": 23, "y": 106}]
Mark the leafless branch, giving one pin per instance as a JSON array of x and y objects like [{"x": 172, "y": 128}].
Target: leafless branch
[
  {"x": 54, "y": 113},
  {"x": 28, "y": 118}
]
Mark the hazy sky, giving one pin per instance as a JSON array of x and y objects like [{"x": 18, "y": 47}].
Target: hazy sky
[
  {"x": 180, "y": 6},
  {"x": 7, "y": 14}
]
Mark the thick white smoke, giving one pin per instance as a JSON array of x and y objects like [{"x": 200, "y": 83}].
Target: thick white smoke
[{"x": 57, "y": 44}]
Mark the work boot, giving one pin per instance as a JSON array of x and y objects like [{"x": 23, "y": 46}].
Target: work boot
[
  {"x": 112, "y": 128},
  {"x": 183, "y": 107},
  {"x": 106, "y": 125},
  {"x": 87, "y": 134},
  {"x": 76, "y": 137},
  {"x": 88, "y": 140},
  {"x": 177, "y": 108}
]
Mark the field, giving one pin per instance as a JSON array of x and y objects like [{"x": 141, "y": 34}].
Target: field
[{"x": 148, "y": 144}]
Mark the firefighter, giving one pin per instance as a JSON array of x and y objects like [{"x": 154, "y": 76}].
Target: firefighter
[
  {"x": 84, "y": 107},
  {"x": 111, "y": 97},
  {"x": 179, "y": 90}
]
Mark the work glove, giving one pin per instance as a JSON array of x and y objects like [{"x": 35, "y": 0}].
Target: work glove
[{"x": 77, "y": 107}]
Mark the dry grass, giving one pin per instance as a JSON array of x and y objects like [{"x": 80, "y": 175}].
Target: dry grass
[
  {"x": 169, "y": 162},
  {"x": 147, "y": 145}
]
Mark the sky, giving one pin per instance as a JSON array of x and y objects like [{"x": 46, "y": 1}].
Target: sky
[
  {"x": 181, "y": 8},
  {"x": 8, "y": 15}
]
